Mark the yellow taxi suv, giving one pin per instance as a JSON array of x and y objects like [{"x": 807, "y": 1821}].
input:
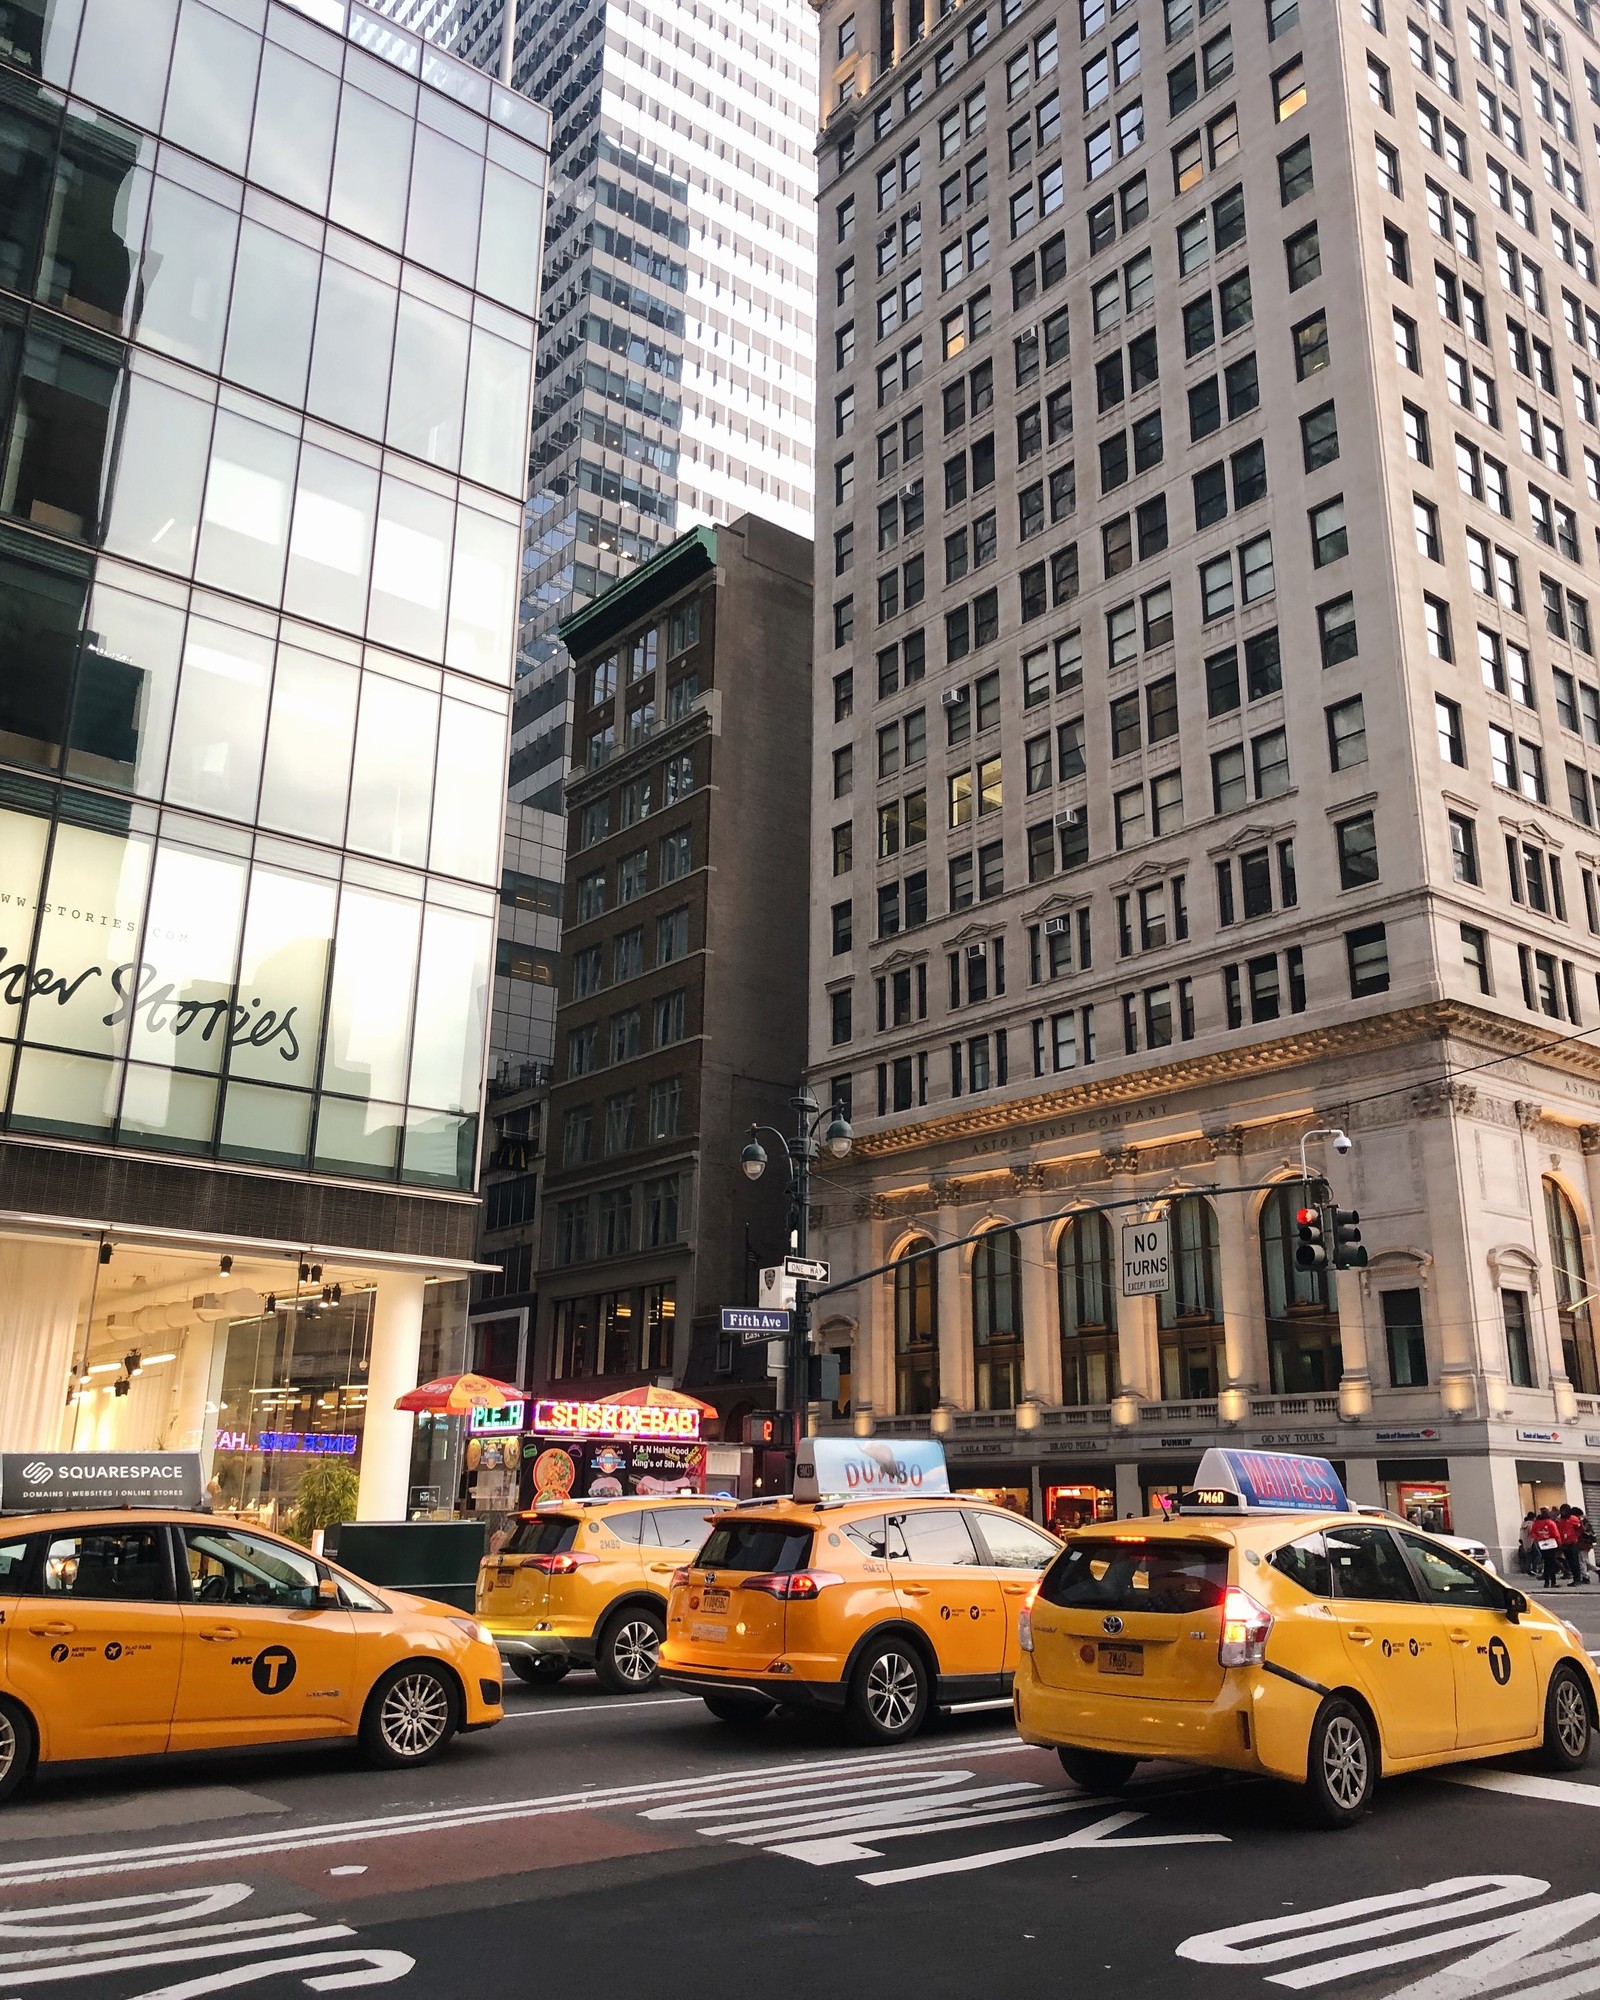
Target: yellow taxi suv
[
  {"x": 1270, "y": 1628},
  {"x": 132, "y": 1634},
  {"x": 880, "y": 1608},
  {"x": 585, "y": 1582}
]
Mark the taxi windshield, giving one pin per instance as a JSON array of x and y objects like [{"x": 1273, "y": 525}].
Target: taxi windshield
[
  {"x": 1128, "y": 1575},
  {"x": 549, "y": 1535},
  {"x": 771, "y": 1546}
]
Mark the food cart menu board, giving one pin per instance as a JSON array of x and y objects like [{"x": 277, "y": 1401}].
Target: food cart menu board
[{"x": 609, "y": 1468}]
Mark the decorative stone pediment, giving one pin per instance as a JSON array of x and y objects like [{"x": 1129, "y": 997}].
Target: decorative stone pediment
[
  {"x": 1532, "y": 830},
  {"x": 1253, "y": 834},
  {"x": 1056, "y": 905},
  {"x": 976, "y": 933},
  {"x": 1153, "y": 871}
]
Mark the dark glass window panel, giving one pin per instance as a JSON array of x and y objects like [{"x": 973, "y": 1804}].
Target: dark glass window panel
[
  {"x": 97, "y": 221},
  {"x": 57, "y": 445},
  {"x": 42, "y": 592},
  {"x": 29, "y": 123}
]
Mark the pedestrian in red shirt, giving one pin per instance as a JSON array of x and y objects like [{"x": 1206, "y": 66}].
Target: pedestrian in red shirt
[
  {"x": 1570, "y": 1529},
  {"x": 1546, "y": 1538}
]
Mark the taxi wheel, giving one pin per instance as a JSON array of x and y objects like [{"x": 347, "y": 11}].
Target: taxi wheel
[
  {"x": 540, "y": 1669},
  {"x": 18, "y": 1742},
  {"x": 889, "y": 1693},
  {"x": 1567, "y": 1731},
  {"x": 628, "y": 1657},
  {"x": 410, "y": 1715},
  {"x": 1341, "y": 1763},
  {"x": 1096, "y": 1770}
]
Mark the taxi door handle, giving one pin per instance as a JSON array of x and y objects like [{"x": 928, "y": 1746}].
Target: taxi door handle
[
  {"x": 664, "y": 1569},
  {"x": 220, "y": 1632},
  {"x": 58, "y": 1628},
  {"x": 1016, "y": 1589},
  {"x": 1360, "y": 1635},
  {"x": 1461, "y": 1638},
  {"x": 916, "y": 1589}
]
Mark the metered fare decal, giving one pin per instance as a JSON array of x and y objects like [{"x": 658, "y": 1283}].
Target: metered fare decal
[{"x": 1488, "y": 1934}]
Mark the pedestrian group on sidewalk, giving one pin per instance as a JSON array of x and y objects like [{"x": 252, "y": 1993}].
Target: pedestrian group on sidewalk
[{"x": 1561, "y": 1541}]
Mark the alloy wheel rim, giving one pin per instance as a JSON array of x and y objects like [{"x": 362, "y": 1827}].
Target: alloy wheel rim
[
  {"x": 892, "y": 1691},
  {"x": 1344, "y": 1761},
  {"x": 637, "y": 1651},
  {"x": 8, "y": 1745},
  {"x": 1572, "y": 1717},
  {"x": 415, "y": 1714}
]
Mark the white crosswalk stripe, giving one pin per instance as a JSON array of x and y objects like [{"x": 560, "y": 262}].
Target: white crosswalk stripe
[{"x": 825, "y": 1824}]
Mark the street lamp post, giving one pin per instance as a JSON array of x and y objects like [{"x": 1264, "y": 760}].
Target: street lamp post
[{"x": 799, "y": 1150}]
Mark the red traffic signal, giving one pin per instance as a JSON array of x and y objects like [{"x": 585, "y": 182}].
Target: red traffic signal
[{"x": 1310, "y": 1253}]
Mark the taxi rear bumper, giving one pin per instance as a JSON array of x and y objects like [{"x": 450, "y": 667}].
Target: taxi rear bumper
[
  {"x": 793, "y": 1692},
  {"x": 1259, "y": 1722},
  {"x": 546, "y": 1645}
]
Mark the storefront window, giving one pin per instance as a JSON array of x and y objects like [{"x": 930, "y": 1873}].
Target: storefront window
[
  {"x": 1302, "y": 1325},
  {"x": 1077, "y": 1506},
  {"x": 916, "y": 1330},
  {"x": 1086, "y": 1273},
  {"x": 997, "y": 1320},
  {"x": 1572, "y": 1291}
]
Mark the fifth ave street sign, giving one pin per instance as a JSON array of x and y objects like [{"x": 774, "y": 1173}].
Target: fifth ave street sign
[
  {"x": 1146, "y": 1258},
  {"x": 755, "y": 1324}
]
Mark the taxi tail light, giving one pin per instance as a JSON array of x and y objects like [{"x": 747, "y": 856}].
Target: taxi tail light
[
  {"x": 1025, "y": 1621},
  {"x": 562, "y": 1565},
  {"x": 679, "y": 1576},
  {"x": 1245, "y": 1625},
  {"x": 798, "y": 1584}
]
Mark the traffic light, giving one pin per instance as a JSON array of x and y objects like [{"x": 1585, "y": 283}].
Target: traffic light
[
  {"x": 1310, "y": 1252},
  {"x": 1348, "y": 1251}
]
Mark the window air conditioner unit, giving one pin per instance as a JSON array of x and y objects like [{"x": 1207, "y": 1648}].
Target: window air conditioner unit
[
  {"x": 1055, "y": 926},
  {"x": 1070, "y": 817},
  {"x": 953, "y": 697}
]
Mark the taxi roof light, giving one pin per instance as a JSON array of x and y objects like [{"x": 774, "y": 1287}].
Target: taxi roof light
[{"x": 803, "y": 1584}]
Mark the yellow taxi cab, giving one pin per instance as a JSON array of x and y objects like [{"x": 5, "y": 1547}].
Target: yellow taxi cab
[
  {"x": 132, "y": 1633},
  {"x": 584, "y": 1583},
  {"x": 880, "y": 1607},
  {"x": 1269, "y": 1627}
]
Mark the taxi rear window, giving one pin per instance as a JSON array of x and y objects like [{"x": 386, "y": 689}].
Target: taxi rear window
[
  {"x": 1158, "y": 1576},
  {"x": 769, "y": 1546},
  {"x": 551, "y": 1535}
]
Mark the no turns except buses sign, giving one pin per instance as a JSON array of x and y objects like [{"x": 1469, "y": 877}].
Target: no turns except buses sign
[{"x": 1146, "y": 1258}]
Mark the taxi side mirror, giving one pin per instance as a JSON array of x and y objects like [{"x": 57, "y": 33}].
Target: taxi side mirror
[
  {"x": 327, "y": 1591},
  {"x": 1515, "y": 1605}
]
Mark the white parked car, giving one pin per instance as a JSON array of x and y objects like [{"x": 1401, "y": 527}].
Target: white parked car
[{"x": 1464, "y": 1543}]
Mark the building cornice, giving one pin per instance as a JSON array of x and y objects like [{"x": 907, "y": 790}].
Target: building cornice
[{"x": 1436, "y": 1021}]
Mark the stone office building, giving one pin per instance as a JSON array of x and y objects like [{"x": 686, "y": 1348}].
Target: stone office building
[
  {"x": 683, "y": 998},
  {"x": 268, "y": 287},
  {"x": 1208, "y": 735}
]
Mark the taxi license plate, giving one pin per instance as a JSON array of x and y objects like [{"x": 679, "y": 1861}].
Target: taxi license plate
[
  {"x": 715, "y": 1634},
  {"x": 1127, "y": 1660},
  {"x": 714, "y": 1600}
]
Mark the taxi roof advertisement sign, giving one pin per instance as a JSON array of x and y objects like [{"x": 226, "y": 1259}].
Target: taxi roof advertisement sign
[
  {"x": 833, "y": 1468},
  {"x": 46, "y": 1482},
  {"x": 1278, "y": 1482}
]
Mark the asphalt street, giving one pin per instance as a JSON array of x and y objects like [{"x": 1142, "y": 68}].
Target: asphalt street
[{"x": 590, "y": 1844}]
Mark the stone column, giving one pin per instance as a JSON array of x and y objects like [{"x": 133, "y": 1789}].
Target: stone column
[
  {"x": 956, "y": 1383},
  {"x": 386, "y": 1437},
  {"x": 902, "y": 32},
  {"x": 1041, "y": 1332},
  {"x": 42, "y": 1290},
  {"x": 1240, "y": 1273},
  {"x": 1136, "y": 1318},
  {"x": 1561, "y": 1390}
]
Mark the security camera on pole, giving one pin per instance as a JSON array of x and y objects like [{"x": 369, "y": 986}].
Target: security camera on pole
[{"x": 799, "y": 1151}]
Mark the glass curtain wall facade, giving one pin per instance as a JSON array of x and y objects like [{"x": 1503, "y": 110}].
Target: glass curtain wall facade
[{"x": 268, "y": 279}]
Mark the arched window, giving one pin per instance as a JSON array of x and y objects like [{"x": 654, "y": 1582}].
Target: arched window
[
  {"x": 1087, "y": 1275},
  {"x": 916, "y": 1330},
  {"x": 997, "y": 1320},
  {"x": 1572, "y": 1290},
  {"x": 1190, "y": 1313},
  {"x": 1302, "y": 1323}
]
